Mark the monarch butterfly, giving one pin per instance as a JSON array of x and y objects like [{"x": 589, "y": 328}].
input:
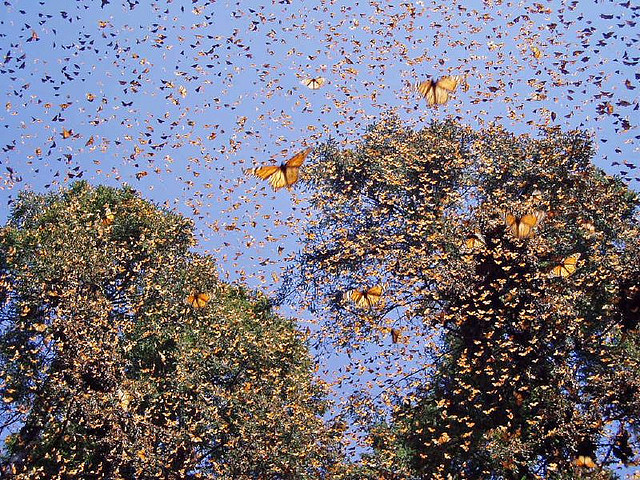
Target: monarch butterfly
[
  {"x": 109, "y": 216},
  {"x": 584, "y": 461},
  {"x": 523, "y": 227},
  {"x": 314, "y": 83},
  {"x": 66, "y": 133},
  {"x": 567, "y": 267},
  {"x": 437, "y": 92},
  {"x": 198, "y": 300},
  {"x": 473, "y": 241},
  {"x": 366, "y": 298},
  {"x": 284, "y": 175},
  {"x": 396, "y": 335}
]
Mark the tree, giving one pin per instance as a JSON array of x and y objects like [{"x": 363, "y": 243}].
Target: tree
[
  {"x": 521, "y": 260},
  {"x": 124, "y": 356}
]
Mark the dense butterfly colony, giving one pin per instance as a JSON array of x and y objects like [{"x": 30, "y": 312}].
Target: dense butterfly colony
[
  {"x": 485, "y": 287},
  {"x": 124, "y": 356},
  {"x": 411, "y": 238}
]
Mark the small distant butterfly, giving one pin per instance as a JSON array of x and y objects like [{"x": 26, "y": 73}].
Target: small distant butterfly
[
  {"x": 395, "y": 335},
  {"x": 198, "y": 300},
  {"x": 567, "y": 267},
  {"x": 437, "y": 92},
  {"x": 366, "y": 298},
  {"x": 284, "y": 175},
  {"x": 314, "y": 83},
  {"x": 523, "y": 227},
  {"x": 584, "y": 461}
]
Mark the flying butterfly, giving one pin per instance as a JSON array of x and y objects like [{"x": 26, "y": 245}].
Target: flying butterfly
[
  {"x": 284, "y": 175},
  {"x": 366, "y": 298},
  {"x": 314, "y": 83},
  {"x": 523, "y": 227},
  {"x": 437, "y": 92},
  {"x": 198, "y": 300},
  {"x": 567, "y": 267}
]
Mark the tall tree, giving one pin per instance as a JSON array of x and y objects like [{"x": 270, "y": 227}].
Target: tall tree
[
  {"x": 124, "y": 356},
  {"x": 521, "y": 259}
]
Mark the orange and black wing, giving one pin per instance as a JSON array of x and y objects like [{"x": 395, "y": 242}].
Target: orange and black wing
[
  {"x": 198, "y": 300},
  {"x": 292, "y": 167},
  {"x": 567, "y": 267},
  {"x": 367, "y": 298}
]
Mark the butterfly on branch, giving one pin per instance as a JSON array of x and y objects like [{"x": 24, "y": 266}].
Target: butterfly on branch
[
  {"x": 366, "y": 298},
  {"x": 284, "y": 175},
  {"x": 198, "y": 300},
  {"x": 567, "y": 267},
  {"x": 523, "y": 227}
]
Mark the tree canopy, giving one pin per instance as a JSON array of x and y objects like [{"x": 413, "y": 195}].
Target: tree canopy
[
  {"x": 502, "y": 273},
  {"x": 122, "y": 355}
]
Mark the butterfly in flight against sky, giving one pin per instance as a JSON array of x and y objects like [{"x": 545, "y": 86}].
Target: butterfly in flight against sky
[
  {"x": 314, "y": 83},
  {"x": 436, "y": 92},
  {"x": 523, "y": 227},
  {"x": 284, "y": 175}
]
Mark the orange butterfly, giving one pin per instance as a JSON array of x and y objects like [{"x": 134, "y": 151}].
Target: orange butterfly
[
  {"x": 109, "y": 216},
  {"x": 567, "y": 267},
  {"x": 437, "y": 92},
  {"x": 523, "y": 227},
  {"x": 284, "y": 175},
  {"x": 198, "y": 300},
  {"x": 584, "y": 461},
  {"x": 474, "y": 241},
  {"x": 396, "y": 335},
  {"x": 367, "y": 298}
]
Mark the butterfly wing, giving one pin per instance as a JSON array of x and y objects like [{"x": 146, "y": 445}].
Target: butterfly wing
[
  {"x": 523, "y": 227},
  {"x": 298, "y": 158},
  {"x": 474, "y": 241},
  {"x": 512, "y": 223},
  {"x": 264, "y": 172},
  {"x": 273, "y": 173},
  {"x": 427, "y": 90},
  {"x": 278, "y": 179},
  {"x": 449, "y": 83},
  {"x": 291, "y": 168},
  {"x": 198, "y": 300},
  {"x": 373, "y": 295},
  {"x": 358, "y": 297}
]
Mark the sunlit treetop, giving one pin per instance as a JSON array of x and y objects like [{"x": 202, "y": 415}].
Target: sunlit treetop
[
  {"x": 510, "y": 268},
  {"x": 123, "y": 355}
]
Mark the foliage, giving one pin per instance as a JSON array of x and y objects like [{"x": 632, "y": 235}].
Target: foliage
[
  {"x": 529, "y": 370},
  {"x": 107, "y": 372}
]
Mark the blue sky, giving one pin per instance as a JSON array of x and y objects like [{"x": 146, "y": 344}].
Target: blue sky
[{"x": 179, "y": 98}]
